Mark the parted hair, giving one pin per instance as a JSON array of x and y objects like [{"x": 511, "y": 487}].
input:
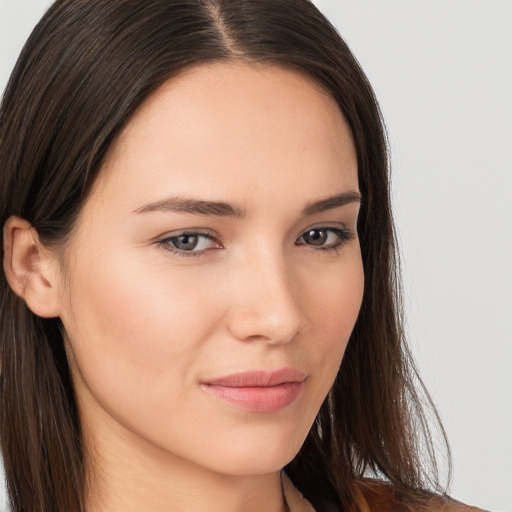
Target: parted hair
[{"x": 84, "y": 71}]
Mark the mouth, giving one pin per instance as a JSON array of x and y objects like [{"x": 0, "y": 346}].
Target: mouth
[{"x": 259, "y": 391}]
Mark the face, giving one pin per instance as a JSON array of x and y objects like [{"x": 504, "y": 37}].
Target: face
[{"x": 214, "y": 275}]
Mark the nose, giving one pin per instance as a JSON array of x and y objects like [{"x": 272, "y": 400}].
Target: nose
[{"x": 264, "y": 302}]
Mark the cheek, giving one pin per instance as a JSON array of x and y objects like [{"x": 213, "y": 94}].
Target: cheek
[
  {"x": 130, "y": 329},
  {"x": 333, "y": 306}
]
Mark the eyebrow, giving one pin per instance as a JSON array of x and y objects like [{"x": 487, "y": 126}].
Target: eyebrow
[
  {"x": 218, "y": 208},
  {"x": 350, "y": 196},
  {"x": 195, "y": 206}
]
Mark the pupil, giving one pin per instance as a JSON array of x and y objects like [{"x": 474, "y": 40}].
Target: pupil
[
  {"x": 316, "y": 237},
  {"x": 186, "y": 242}
]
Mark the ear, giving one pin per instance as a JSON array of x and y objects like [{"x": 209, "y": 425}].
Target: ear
[{"x": 31, "y": 269}]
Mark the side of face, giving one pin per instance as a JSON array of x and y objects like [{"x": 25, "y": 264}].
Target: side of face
[{"x": 166, "y": 292}]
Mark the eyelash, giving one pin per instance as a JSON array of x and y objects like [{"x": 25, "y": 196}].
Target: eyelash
[
  {"x": 166, "y": 243},
  {"x": 343, "y": 234}
]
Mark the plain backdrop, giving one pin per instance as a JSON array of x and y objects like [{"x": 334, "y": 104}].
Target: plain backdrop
[{"x": 442, "y": 70}]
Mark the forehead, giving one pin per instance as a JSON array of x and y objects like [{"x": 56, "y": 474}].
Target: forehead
[{"x": 242, "y": 126}]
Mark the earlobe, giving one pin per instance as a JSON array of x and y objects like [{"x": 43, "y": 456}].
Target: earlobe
[{"x": 30, "y": 268}]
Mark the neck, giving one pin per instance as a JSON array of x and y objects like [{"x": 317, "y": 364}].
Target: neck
[{"x": 128, "y": 474}]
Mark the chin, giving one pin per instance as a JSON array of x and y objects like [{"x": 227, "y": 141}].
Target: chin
[
  {"x": 257, "y": 464},
  {"x": 257, "y": 456}
]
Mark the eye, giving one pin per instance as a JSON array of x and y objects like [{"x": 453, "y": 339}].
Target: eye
[
  {"x": 190, "y": 243},
  {"x": 325, "y": 238}
]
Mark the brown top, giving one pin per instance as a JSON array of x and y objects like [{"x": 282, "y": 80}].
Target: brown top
[
  {"x": 380, "y": 497},
  {"x": 372, "y": 497}
]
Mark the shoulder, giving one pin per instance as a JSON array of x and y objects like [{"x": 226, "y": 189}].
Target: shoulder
[{"x": 381, "y": 497}]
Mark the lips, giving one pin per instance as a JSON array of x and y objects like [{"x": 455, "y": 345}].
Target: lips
[{"x": 259, "y": 391}]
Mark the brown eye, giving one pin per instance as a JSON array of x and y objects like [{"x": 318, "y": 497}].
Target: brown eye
[
  {"x": 185, "y": 242},
  {"x": 325, "y": 238},
  {"x": 315, "y": 237}
]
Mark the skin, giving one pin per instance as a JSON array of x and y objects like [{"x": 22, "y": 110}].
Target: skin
[{"x": 147, "y": 323}]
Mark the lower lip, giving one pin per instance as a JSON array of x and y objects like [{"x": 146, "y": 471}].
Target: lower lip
[{"x": 258, "y": 399}]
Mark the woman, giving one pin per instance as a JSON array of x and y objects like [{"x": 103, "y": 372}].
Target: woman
[{"x": 200, "y": 284}]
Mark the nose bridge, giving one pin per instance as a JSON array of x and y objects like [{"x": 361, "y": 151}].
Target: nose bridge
[{"x": 265, "y": 305}]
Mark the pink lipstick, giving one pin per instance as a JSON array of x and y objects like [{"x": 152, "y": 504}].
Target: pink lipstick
[{"x": 259, "y": 391}]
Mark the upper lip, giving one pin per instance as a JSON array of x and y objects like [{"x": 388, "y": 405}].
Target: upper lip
[{"x": 259, "y": 378}]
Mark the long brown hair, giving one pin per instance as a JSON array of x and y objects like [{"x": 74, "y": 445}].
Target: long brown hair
[{"x": 86, "y": 68}]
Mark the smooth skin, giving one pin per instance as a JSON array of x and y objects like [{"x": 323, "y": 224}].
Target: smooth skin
[{"x": 157, "y": 297}]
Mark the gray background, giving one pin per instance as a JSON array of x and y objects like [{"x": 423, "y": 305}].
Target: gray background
[{"x": 442, "y": 70}]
